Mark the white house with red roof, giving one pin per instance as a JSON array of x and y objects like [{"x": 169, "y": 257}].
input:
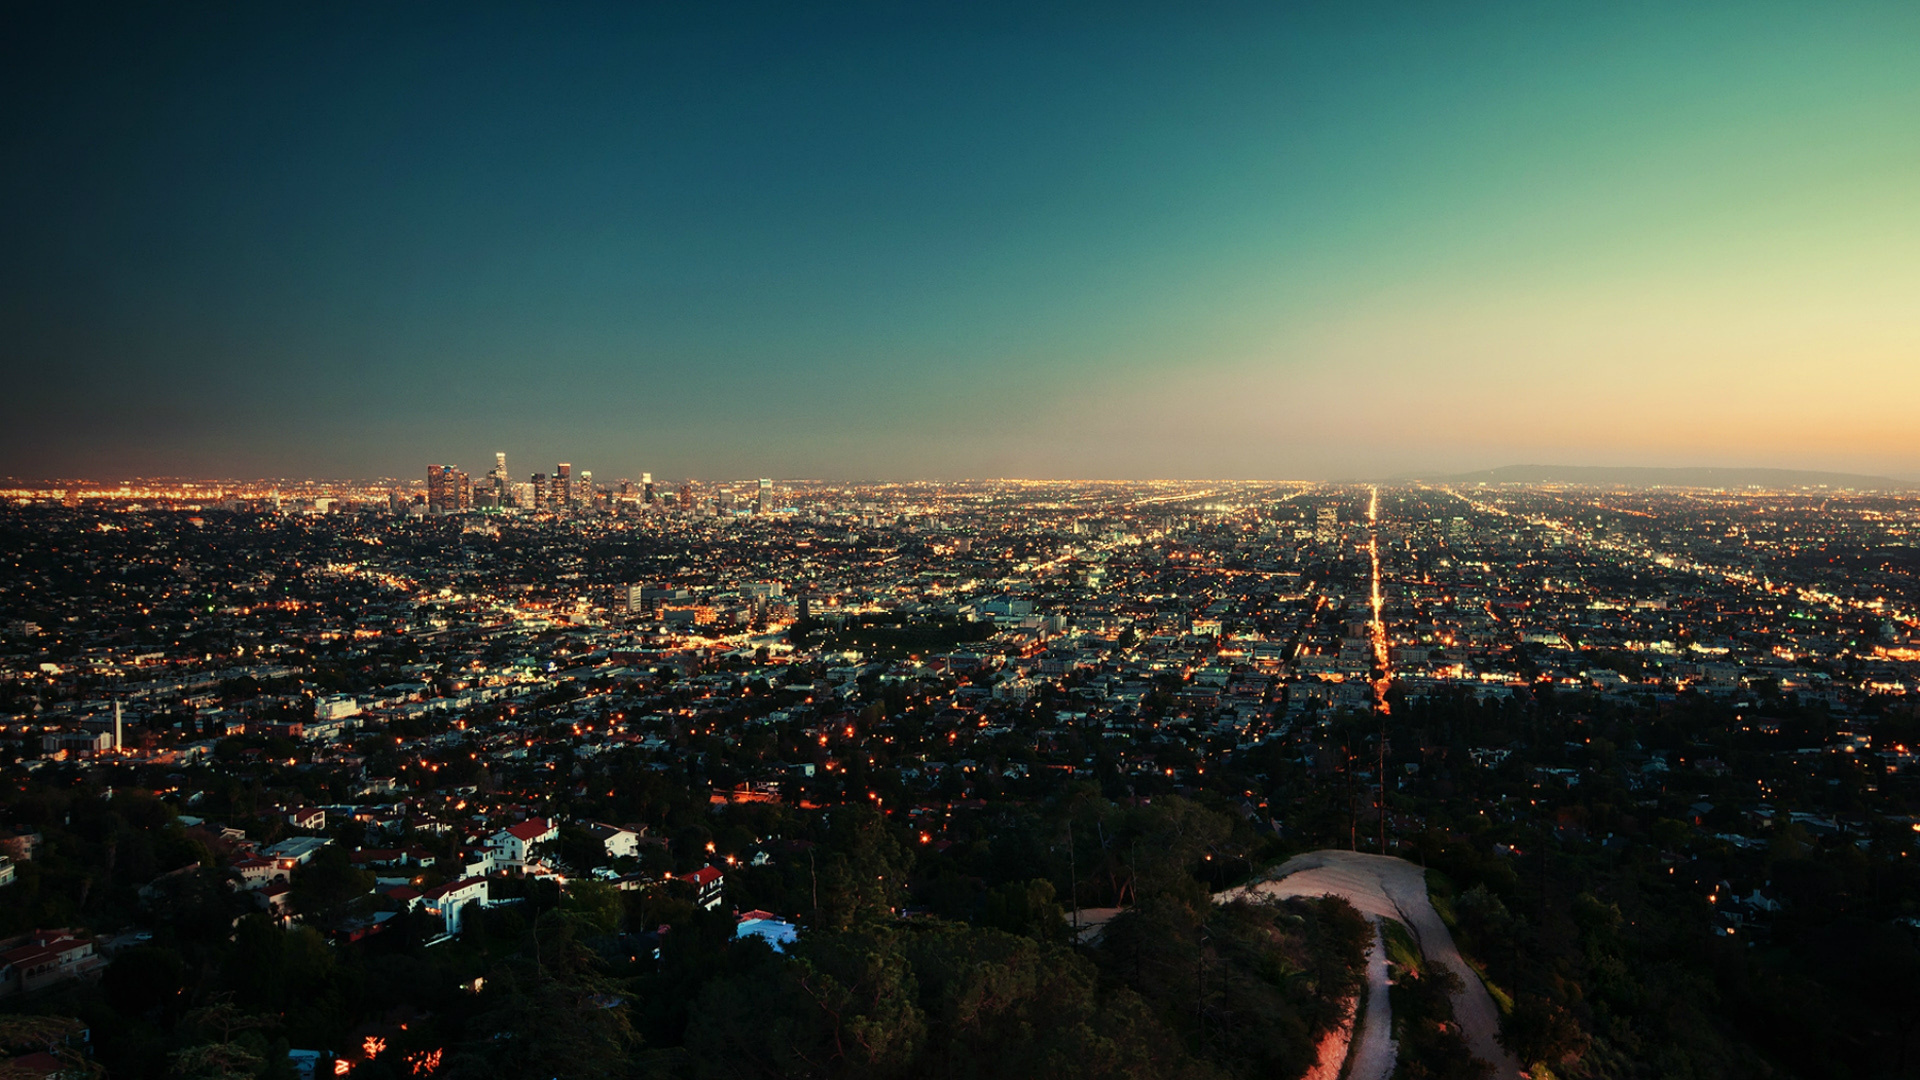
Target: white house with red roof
[
  {"x": 258, "y": 873},
  {"x": 47, "y": 957},
  {"x": 511, "y": 845},
  {"x": 449, "y": 900},
  {"x": 710, "y": 886}
]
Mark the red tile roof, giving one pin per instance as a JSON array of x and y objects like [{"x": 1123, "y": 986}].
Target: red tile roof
[{"x": 532, "y": 829}]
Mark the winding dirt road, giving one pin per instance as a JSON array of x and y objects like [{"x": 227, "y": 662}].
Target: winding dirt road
[{"x": 1383, "y": 887}]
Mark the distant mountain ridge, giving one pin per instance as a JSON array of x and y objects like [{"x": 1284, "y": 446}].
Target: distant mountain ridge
[{"x": 1645, "y": 476}]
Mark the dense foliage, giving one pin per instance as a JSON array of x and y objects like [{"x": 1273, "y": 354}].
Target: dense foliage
[{"x": 567, "y": 983}]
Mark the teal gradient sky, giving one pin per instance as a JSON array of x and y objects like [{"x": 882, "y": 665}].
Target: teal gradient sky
[{"x": 960, "y": 240}]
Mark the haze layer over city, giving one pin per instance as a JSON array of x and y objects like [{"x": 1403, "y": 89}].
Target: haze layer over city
[{"x": 1291, "y": 541}]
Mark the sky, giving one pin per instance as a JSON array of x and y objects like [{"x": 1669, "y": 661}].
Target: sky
[{"x": 946, "y": 240}]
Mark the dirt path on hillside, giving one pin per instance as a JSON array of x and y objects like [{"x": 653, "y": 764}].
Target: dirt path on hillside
[{"x": 1381, "y": 886}]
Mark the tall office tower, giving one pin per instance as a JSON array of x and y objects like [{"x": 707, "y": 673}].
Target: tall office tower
[
  {"x": 686, "y": 497},
  {"x": 562, "y": 497},
  {"x": 723, "y": 500},
  {"x": 626, "y": 489},
  {"x": 462, "y": 491},
  {"x": 1327, "y": 523},
  {"x": 646, "y": 488},
  {"x": 499, "y": 478},
  {"x": 439, "y": 498},
  {"x": 764, "y": 504},
  {"x": 586, "y": 492},
  {"x": 539, "y": 491}
]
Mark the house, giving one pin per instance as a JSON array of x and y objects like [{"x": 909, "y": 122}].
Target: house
[
  {"x": 477, "y": 862},
  {"x": 297, "y": 850},
  {"x": 6, "y": 870},
  {"x": 710, "y": 886},
  {"x": 409, "y": 857},
  {"x": 620, "y": 843},
  {"x": 21, "y": 844},
  {"x": 44, "y": 958},
  {"x": 257, "y": 873},
  {"x": 449, "y": 900},
  {"x": 39, "y": 1065},
  {"x": 310, "y": 818},
  {"x": 512, "y": 844},
  {"x": 277, "y": 899},
  {"x": 775, "y": 931}
]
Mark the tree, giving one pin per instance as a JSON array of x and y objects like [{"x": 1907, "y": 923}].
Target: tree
[
  {"x": 1542, "y": 1030},
  {"x": 549, "y": 1012},
  {"x": 862, "y": 872},
  {"x": 329, "y": 882},
  {"x": 144, "y": 979},
  {"x": 1030, "y": 910},
  {"x": 230, "y": 1046},
  {"x": 598, "y": 905}
]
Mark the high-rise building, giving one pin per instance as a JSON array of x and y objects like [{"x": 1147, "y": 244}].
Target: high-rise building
[
  {"x": 646, "y": 488},
  {"x": 539, "y": 491},
  {"x": 562, "y": 497},
  {"x": 439, "y": 490},
  {"x": 462, "y": 491},
  {"x": 498, "y": 478},
  {"x": 764, "y": 503},
  {"x": 585, "y": 495},
  {"x": 1327, "y": 523}
]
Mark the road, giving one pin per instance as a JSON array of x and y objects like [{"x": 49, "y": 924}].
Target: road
[
  {"x": 1383, "y": 887},
  {"x": 1372, "y": 1054}
]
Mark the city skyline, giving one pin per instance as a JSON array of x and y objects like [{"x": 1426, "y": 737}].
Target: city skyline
[
  {"x": 961, "y": 242},
  {"x": 1532, "y": 474}
]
